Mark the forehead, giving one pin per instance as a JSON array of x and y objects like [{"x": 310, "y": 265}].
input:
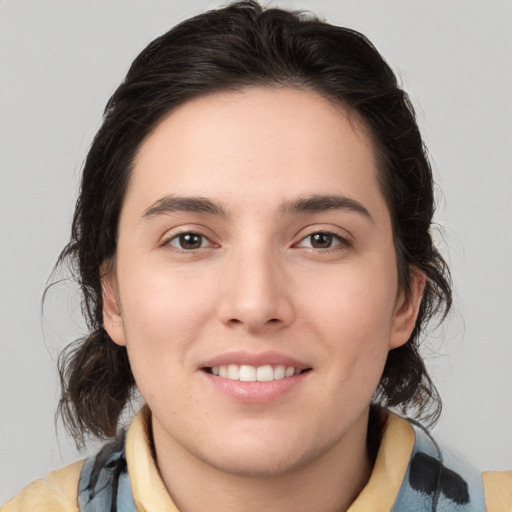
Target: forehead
[{"x": 257, "y": 143}]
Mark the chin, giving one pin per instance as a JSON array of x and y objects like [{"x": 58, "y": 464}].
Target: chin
[
  {"x": 258, "y": 464},
  {"x": 264, "y": 456}
]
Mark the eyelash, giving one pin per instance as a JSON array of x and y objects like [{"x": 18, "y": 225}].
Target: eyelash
[
  {"x": 176, "y": 237},
  {"x": 342, "y": 243}
]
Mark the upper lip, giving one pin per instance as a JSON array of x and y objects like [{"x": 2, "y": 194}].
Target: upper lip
[{"x": 254, "y": 359}]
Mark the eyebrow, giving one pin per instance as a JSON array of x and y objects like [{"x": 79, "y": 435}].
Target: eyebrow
[
  {"x": 306, "y": 204},
  {"x": 322, "y": 203},
  {"x": 172, "y": 203}
]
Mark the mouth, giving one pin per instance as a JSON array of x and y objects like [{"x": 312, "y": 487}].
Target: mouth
[
  {"x": 255, "y": 378},
  {"x": 248, "y": 373}
]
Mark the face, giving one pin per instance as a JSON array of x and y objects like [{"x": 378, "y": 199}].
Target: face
[{"x": 255, "y": 281}]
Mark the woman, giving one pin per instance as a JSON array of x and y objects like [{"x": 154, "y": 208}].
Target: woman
[{"x": 253, "y": 246}]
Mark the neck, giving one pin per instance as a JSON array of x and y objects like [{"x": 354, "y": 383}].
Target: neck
[{"x": 328, "y": 483}]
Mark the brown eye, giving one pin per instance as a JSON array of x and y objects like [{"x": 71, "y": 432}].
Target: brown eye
[
  {"x": 189, "y": 241},
  {"x": 321, "y": 240}
]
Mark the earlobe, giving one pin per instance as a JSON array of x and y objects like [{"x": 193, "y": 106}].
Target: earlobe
[
  {"x": 407, "y": 309},
  {"x": 112, "y": 319}
]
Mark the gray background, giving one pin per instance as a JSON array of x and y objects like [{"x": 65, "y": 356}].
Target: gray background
[{"x": 59, "y": 63}]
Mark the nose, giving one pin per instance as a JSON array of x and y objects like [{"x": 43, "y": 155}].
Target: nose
[{"x": 256, "y": 294}]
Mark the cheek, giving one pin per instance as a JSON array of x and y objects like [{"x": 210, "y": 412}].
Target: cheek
[
  {"x": 356, "y": 297},
  {"x": 163, "y": 313},
  {"x": 353, "y": 313},
  {"x": 155, "y": 296}
]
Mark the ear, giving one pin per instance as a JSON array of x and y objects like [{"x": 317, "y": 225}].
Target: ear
[
  {"x": 112, "y": 320},
  {"x": 406, "y": 310}
]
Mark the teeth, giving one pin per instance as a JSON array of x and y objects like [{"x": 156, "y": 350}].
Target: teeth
[
  {"x": 265, "y": 373},
  {"x": 279, "y": 372},
  {"x": 233, "y": 372},
  {"x": 248, "y": 373},
  {"x": 245, "y": 373}
]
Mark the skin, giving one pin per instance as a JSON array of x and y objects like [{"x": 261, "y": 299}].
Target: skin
[{"x": 258, "y": 282}]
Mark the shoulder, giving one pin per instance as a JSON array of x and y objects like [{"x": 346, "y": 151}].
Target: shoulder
[
  {"x": 57, "y": 492},
  {"x": 433, "y": 478},
  {"x": 452, "y": 481},
  {"x": 498, "y": 490}
]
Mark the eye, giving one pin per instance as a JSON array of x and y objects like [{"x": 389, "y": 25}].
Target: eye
[
  {"x": 321, "y": 240},
  {"x": 189, "y": 241}
]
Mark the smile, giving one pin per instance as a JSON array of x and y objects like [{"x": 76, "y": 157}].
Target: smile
[{"x": 247, "y": 373}]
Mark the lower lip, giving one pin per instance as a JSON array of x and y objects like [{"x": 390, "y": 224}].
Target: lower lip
[{"x": 256, "y": 392}]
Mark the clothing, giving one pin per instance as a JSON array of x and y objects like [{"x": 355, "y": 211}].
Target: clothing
[{"x": 410, "y": 475}]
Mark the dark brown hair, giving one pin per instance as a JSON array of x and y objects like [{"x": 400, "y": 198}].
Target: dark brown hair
[{"x": 244, "y": 45}]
